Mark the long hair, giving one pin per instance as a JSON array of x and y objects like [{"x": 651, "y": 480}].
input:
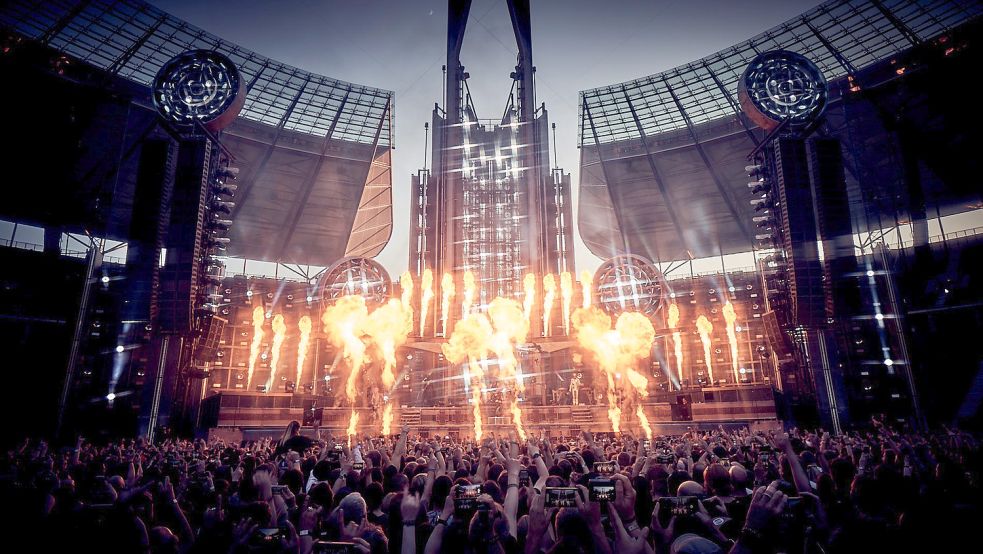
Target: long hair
[{"x": 293, "y": 428}]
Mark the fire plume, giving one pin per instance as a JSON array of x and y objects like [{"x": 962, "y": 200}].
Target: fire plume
[
  {"x": 511, "y": 327},
  {"x": 469, "y": 289},
  {"x": 406, "y": 292},
  {"x": 343, "y": 323},
  {"x": 677, "y": 342},
  {"x": 730, "y": 316},
  {"x": 446, "y": 295},
  {"x": 352, "y": 426},
  {"x": 586, "y": 287},
  {"x": 259, "y": 318},
  {"x": 529, "y": 286},
  {"x": 279, "y": 335},
  {"x": 517, "y": 419},
  {"x": 469, "y": 343},
  {"x": 388, "y": 326},
  {"x": 704, "y": 327},
  {"x": 643, "y": 422},
  {"x": 566, "y": 295},
  {"x": 305, "y": 325},
  {"x": 387, "y": 419},
  {"x": 426, "y": 297},
  {"x": 549, "y": 294}
]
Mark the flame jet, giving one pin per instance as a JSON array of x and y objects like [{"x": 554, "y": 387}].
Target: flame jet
[
  {"x": 352, "y": 427},
  {"x": 259, "y": 318},
  {"x": 387, "y": 419},
  {"x": 279, "y": 335},
  {"x": 586, "y": 287},
  {"x": 426, "y": 297},
  {"x": 343, "y": 323},
  {"x": 549, "y": 294},
  {"x": 305, "y": 325},
  {"x": 677, "y": 341},
  {"x": 469, "y": 290},
  {"x": 469, "y": 343},
  {"x": 704, "y": 327},
  {"x": 529, "y": 286},
  {"x": 643, "y": 422},
  {"x": 511, "y": 327},
  {"x": 446, "y": 295},
  {"x": 730, "y": 316},
  {"x": 388, "y": 326},
  {"x": 566, "y": 295}
]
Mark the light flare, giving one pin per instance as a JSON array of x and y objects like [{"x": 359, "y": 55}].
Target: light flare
[
  {"x": 279, "y": 335},
  {"x": 730, "y": 316},
  {"x": 426, "y": 297},
  {"x": 677, "y": 341},
  {"x": 446, "y": 295},
  {"x": 586, "y": 287},
  {"x": 305, "y": 325},
  {"x": 566, "y": 295},
  {"x": 549, "y": 294},
  {"x": 259, "y": 318},
  {"x": 704, "y": 327}
]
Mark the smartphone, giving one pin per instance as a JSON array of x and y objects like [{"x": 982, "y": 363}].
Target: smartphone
[
  {"x": 793, "y": 508},
  {"x": 678, "y": 506},
  {"x": 561, "y": 497},
  {"x": 278, "y": 489},
  {"x": 523, "y": 477},
  {"x": 605, "y": 468},
  {"x": 665, "y": 456},
  {"x": 358, "y": 466},
  {"x": 466, "y": 499},
  {"x": 601, "y": 490},
  {"x": 334, "y": 547},
  {"x": 266, "y": 536}
]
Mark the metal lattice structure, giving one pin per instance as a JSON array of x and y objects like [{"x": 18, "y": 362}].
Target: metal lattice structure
[
  {"x": 133, "y": 39},
  {"x": 663, "y": 156},
  {"x": 630, "y": 283},
  {"x": 356, "y": 276}
]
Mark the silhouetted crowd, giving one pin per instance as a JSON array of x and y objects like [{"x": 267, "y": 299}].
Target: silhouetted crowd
[{"x": 704, "y": 491}]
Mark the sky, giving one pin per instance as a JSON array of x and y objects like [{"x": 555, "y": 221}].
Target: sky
[{"x": 400, "y": 45}]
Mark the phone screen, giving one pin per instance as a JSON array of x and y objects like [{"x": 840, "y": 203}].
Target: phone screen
[
  {"x": 561, "y": 497},
  {"x": 601, "y": 490},
  {"x": 523, "y": 477},
  {"x": 605, "y": 468},
  {"x": 466, "y": 499}
]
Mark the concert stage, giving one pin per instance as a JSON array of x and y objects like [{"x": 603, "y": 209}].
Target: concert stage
[{"x": 250, "y": 414}]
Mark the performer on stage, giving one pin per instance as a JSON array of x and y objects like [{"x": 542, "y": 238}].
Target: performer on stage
[{"x": 575, "y": 390}]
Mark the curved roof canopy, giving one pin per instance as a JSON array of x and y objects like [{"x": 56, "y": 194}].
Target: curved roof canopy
[{"x": 663, "y": 156}]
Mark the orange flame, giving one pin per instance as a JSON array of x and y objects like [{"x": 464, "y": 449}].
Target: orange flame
[
  {"x": 704, "y": 327},
  {"x": 529, "y": 286},
  {"x": 388, "y": 326},
  {"x": 511, "y": 328},
  {"x": 279, "y": 335},
  {"x": 549, "y": 294},
  {"x": 517, "y": 419},
  {"x": 406, "y": 292},
  {"x": 426, "y": 285},
  {"x": 352, "y": 427},
  {"x": 566, "y": 294},
  {"x": 343, "y": 323},
  {"x": 643, "y": 422},
  {"x": 446, "y": 295},
  {"x": 469, "y": 290},
  {"x": 730, "y": 316},
  {"x": 305, "y": 325},
  {"x": 586, "y": 287},
  {"x": 677, "y": 341},
  {"x": 469, "y": 342},
  {"x": 387, "y": 419},
  {"x": 259, "y": 318}
]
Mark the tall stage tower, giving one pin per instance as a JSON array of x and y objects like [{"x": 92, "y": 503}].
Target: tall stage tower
[{"x": 491, "y": 204}]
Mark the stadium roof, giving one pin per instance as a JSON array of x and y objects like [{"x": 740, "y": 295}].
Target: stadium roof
[
  {"x": 322, "y": 145},
  {"x": 662, "y": 156}
]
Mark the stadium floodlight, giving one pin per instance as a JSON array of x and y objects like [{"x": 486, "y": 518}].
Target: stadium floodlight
[
  {"x": 760, "y": 218},
  {"x": 222, "y": 206},
  {"x": 221, "y": 224},
  {"x": 759, "y": 202},
  {"x": 225, "y": 189}
]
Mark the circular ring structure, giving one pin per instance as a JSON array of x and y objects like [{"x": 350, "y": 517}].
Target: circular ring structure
[
  {"x": 629, "y": 283},
  {"x": 356, "y": 276},
  {"x": 781, "y": 85},
  {"x": 199, "y": 85}
]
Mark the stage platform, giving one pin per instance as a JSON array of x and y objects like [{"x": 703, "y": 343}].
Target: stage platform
[{"x": 259, "y": 414}]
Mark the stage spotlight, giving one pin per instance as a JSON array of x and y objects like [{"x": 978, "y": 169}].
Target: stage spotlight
[
  {"x": 249, "y": 294},
  {"x": 870, "y": 273},
  {"x": 888, "y": 362},
  {"x": 879, "y": 317},
  {"x": 105, "y": 279},
  {"x": 120, "y": 349},
  {"x": 111, "y": 396},
  {"x": 310, "y": 299}
]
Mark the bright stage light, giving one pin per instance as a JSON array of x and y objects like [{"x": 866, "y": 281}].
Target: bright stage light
[
  {"x": 119, "y": 349},
  {"x": 888, "y": 362},
  {"x": 111, "y": 396},
  {"x": 249, "y": 294},
  {"x": 870, "y": 273},
  {"x": 879, "y": 317},
  {"x": 105, "y": 279}
]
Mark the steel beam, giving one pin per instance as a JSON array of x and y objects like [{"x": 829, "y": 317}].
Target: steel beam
[{"x": 607, "y": 179}]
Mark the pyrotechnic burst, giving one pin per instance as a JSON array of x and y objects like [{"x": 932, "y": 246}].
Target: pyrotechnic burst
[
  {"x": 387, "y": 419},
  {"x": 677, "y": 341},
  {"x": 586, "y": 287},
  {"x": 704, "y": 327},
  {"x": 511, "y": 327},
  {"x": 469, "y": 343},
  {"x": 566, "y": 294},
  {"x": 388, "y": 326},
  {"x": 352, "y": 427},
  {"x": 529, "y": 286},
  {"x": 469, "y": 290},
  {"x": 259, "y": 318},
  {"x": 279, "y": 335},
  {"x": 730, "y": 316},
  {"x": 643, "y": 422},
  {"x": 446, "y": 295},
  {"x": 549, "y": 294},
  {"x": 426, "y": 285},
  {"x": 343, "y": 323},
  {"x": 304, "y": 325}
]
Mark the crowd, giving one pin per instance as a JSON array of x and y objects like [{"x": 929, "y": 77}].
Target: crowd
[{"x": 704, "y": 491}]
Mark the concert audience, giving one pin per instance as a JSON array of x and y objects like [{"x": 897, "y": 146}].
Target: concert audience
[{"x": 701, "y": 492}]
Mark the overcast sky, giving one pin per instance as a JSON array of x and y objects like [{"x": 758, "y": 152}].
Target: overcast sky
[{"x": 400, "y": 45}]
